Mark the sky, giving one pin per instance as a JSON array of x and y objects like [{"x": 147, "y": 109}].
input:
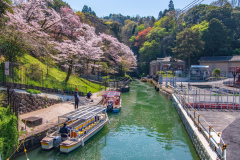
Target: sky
[{"x": 129, "y": 7}]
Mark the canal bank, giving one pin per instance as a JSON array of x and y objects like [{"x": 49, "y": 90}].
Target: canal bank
[
  {"x": 148, "y": 127},
  {"x": 206, "y": 139}
]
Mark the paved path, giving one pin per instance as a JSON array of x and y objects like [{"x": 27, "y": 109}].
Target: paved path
[{"x": 51, "y": 113}]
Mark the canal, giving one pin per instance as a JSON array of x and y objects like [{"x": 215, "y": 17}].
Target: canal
[{"x": 148, "y": 127}]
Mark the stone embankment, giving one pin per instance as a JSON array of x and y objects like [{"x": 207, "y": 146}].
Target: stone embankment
[{"x": 31, "y": 103}]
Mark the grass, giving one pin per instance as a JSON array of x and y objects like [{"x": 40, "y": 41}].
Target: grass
[
  {"x": 33, "y": 91},
  {"x": 55, "y": 77}
]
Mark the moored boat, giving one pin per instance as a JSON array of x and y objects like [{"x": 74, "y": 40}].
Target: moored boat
[
  {"x": 83, "y": 123},
  {"x": 112, "y": 101},
  {"x": 144, "y": 79}
]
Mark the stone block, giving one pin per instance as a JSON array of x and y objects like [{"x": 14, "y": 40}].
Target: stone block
[{"x": 33, "y": 121}]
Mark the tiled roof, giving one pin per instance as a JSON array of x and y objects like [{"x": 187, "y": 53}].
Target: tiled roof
[
  {"x": 168, "y": 59},
  {"x": 219, "y": 58}
]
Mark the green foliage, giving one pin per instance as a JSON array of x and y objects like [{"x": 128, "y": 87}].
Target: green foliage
[
  {"x": 148, "y": 52},
  {"x": 202, "y": 27},
  {"x": 4, "y": 6},
  {"x": 171, "y": 6},
  {"x": 126, "y": 75},
  {"x": 188, "y": 42},
  {"x": 216, "y": 72},
  {"x": 88, "y": 10},
  {"x": 12, "y": 45},
  {"x": 33, "y": 91},
  {"x": 8, "y": 132},
  {"x": 57, "y": 4},
  {"x": 215, "y": 38},
  {"x": 141, "y": 28}
]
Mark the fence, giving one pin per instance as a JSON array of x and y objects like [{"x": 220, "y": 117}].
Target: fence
[
  {"x": 22, "y": 77},
  {"x": 213, "y": 98},
  {"x": 93, "y": 77},
  {"x": 214, "y": 138}
]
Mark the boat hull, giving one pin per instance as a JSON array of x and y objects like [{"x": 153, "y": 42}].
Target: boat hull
[
  {"x": 67, "y": 149},
  {"x": 47, "y": 145}
]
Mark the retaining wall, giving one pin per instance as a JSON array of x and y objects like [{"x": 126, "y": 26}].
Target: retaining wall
[{"x": 200, "y": 143}]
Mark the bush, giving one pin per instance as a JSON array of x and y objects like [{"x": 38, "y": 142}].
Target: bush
[
  {"x": 216, "y": 72},
  {"x": 33, "y": 91}
]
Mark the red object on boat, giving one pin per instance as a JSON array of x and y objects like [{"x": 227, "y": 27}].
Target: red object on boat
[{"x": 111, "y": 94}]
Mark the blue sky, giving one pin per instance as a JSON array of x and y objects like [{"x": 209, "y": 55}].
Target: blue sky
[{"x": 129, "y": 7}]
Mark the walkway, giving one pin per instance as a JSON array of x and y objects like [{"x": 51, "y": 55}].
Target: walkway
[{"x": 50, "y": 114}]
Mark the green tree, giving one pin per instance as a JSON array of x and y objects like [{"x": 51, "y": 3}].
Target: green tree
[
  {"x": 188, "y": 44},
  {"x": 8, "y": 130},
  {"x": 215, "y": 38},
  {"x": 148, "y": 52},
  {"x": 160, "y": 15},
  {"x": 216, "y": 72},
  {"x": 57, "y": 4},
  {"x": 171, "y": 6},
  {"x": 12, "y": 45},
  {"x": 141, "y": 28}
]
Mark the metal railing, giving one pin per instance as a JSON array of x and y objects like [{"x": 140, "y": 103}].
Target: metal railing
[{"x": 217, "y": 144}]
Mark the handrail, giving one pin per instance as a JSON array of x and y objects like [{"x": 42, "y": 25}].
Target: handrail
[{"x": 219, "y": 148}]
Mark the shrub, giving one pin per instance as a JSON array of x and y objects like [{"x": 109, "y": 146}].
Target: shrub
[
  {"x": 33, "y": 91},
  {"x": 216, "y": 72}
]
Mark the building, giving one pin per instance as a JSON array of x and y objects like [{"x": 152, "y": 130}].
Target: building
[
  {"x": 221, "y": 62},
  {"x": 199, "y": 72},
  {"x": 166, "y": 64}
]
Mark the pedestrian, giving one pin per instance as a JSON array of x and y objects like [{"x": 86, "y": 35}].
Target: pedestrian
[
  {"x": 76, "y": 96},
  {"x": 64, "y": 131},
  {"x": 89, "y": 94}
]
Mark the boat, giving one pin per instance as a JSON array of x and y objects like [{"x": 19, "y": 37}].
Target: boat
[
  {"x": 111, "y": 100},
  {"x": 144, "y": 79},
  {"x": 83, "y": 123}
]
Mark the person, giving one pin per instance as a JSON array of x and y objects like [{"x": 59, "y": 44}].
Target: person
[
  {"x": 89, "y": 94},
  {"x": 76, "y": 96},
  {"x": 64, "y": 131}
]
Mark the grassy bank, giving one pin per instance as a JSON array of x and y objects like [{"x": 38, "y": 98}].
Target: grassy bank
[{"x": 55, "y": 78}]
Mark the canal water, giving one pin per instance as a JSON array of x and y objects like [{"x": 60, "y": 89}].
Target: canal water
[{"x": 148, "y": 127}]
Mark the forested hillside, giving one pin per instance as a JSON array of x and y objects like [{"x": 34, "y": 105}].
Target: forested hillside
[{"x": 204, "y": 30}]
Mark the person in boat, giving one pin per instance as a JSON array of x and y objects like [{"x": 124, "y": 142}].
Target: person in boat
[
  {"x": 76, "y": 96},
  {"x": 89, "y": 94},
  {"x": 64, "y": 130}
]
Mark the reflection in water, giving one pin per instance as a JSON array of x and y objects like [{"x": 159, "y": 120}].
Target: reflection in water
[{"x": 148, "y": 127}]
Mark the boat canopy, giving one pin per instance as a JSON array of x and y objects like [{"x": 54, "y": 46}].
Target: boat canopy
[
  {"x": 111, "y": 94},
  {"x": 84, "y": 112}
]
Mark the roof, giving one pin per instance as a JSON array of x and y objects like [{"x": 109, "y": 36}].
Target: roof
[
  {"x": 219, "y": 58},
  {"x": 199, "y": 66},
  {"x": 167, "y": 59},
  {"x": 84, "y": 112},
  {"x": 111, "y": 94}
]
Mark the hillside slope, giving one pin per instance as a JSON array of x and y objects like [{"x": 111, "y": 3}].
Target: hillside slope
[{"x": 56, "y": 77}]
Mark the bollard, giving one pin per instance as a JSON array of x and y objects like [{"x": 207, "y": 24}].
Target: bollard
[
  {"x": 210, "y": 127},
  {"x": 199, "y": 122}
]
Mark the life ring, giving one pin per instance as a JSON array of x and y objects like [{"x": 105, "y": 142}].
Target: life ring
[{"x": 73, "y": 134}]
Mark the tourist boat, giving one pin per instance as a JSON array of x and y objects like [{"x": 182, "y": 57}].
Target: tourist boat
[
  {"x": 83, "y": 123},
  {"x": 144, "y": 79},
  {"x": 111, "y": 100}
]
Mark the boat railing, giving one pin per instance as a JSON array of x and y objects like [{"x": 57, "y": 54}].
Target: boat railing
[{"x": 210, "y": 134}]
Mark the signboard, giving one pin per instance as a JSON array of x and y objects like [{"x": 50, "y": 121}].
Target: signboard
[
  {"x": 7, "y": 68},
  {"x": 160, "y": 80}
]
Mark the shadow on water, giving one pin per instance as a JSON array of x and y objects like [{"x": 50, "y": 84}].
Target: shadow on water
[{"x": 148, "y": 127}]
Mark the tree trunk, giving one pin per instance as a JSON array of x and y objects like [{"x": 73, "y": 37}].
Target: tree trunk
[{"x": 69, "y": 71}]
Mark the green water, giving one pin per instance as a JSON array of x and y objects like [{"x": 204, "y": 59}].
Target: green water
[{"x": 148, "y": 127}]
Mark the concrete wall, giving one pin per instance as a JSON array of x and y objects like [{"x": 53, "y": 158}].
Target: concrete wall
[
  {"x": 223, "y": 66},
  {"x": 201, "y": 145}
]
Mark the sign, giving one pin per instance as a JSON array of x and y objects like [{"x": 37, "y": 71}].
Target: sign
[
  {"x": 7, "y": 68},
  {"x": 160, "y": 80}
]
